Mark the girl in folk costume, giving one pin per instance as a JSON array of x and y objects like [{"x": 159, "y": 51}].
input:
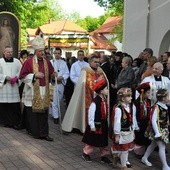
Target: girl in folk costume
[
  {"x": 159, "y": 133},
  {"x": 142, "y": 108},
  {"x": 96, "y": 133},
  {"x": 124, "y": 123}
]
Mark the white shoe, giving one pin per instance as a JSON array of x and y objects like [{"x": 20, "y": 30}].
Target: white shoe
[{"x": 146, "y": 162}]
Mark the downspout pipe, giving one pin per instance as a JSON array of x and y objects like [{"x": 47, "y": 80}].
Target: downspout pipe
[
  {"x": 148, "y": 23},
  {"x": 124, "y": 27}
]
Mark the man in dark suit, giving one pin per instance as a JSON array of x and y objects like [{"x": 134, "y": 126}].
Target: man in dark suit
[
  {"x": 147, "y": 52},
  {"x": 166, "y": 64},
  {"x": 105, "y": 65}
]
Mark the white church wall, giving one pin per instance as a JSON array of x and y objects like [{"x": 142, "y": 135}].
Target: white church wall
[
  {"x": 146, "y": 28},
  {"x": 135, "y": 25}
]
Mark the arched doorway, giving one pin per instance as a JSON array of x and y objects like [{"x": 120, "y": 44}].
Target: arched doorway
[{"x": 165, "y": 44}]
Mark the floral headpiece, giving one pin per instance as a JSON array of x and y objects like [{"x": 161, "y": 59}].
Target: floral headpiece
[
  {"x": 162, "y": 93},
  {"x": 124, "y": 92}
]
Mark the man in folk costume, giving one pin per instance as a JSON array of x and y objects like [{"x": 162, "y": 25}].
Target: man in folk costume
[
  {"x": 36, "y": 73},
  {"x": 76, "y": 115},
  {"x": 157, "y": 81},
  {"x": 9, "y": 89},
  {"x": 142, "y": 108}
]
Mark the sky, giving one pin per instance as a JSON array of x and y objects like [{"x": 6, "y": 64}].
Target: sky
[{"x": 83, "y": 7}]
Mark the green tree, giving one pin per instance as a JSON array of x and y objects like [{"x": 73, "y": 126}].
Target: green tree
[
  {"x": 32, "y": 13},
  {"x": 42, "y": 11},
  {"x": 89, "y": 23},
  {"x": 74, "y": 16},
  {"x": 117, "y": 5},
  {"x": 114, "y": 8}
]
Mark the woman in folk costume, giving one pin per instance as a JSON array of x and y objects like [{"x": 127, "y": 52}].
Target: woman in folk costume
[
  {"x": 142, "y": 108},
  {"x": 158, "y": 133},
  {"x": 124, "y": 123},
  {"x": 36, "y": 74},
  {"x": 96, "y": 134}
]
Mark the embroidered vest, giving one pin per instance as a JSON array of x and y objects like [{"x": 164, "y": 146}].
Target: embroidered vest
[
  {"x": 101, "y": 109},
  {"x": 163, "y": 117},
  {"x": 141, "y": 113},
  {"x": 126, "y": 119}
]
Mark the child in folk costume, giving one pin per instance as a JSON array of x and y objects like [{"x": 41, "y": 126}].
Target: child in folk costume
[
  {"x": 142, "y": 108},
  {"x": 124, "y": 123},
  {"x": 159, "y": 133},
  {"x": 96, "y": 134}
]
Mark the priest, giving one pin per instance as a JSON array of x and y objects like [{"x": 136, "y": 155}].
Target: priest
[
  {"x": 76, "y": 116},
  {"x": 157, "y": 81},
  {"x": 36, "y": 73},
  {"x": 9, "y": 89}
]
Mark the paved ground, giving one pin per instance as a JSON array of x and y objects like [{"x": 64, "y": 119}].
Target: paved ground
[{"x": 20, "y": 151}]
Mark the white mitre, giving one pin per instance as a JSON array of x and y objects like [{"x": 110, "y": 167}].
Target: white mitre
[{"x": 38, "y": 43}]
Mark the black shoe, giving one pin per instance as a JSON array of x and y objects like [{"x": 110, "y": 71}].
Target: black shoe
[
  {"x": 86, "y": 157},
  {"x": 8, "y": 126},
  {"x": 65, "y": 133},
  {"x": 49, "y": 139},
  {"x": 18, "y": 127},
  {"x": 56, "y": 120},
  {"x": 77, "y": 131},
  {"x": 105, "y": 160}
]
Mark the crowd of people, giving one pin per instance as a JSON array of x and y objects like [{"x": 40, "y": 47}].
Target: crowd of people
[{"x": 118, "y": 97}]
